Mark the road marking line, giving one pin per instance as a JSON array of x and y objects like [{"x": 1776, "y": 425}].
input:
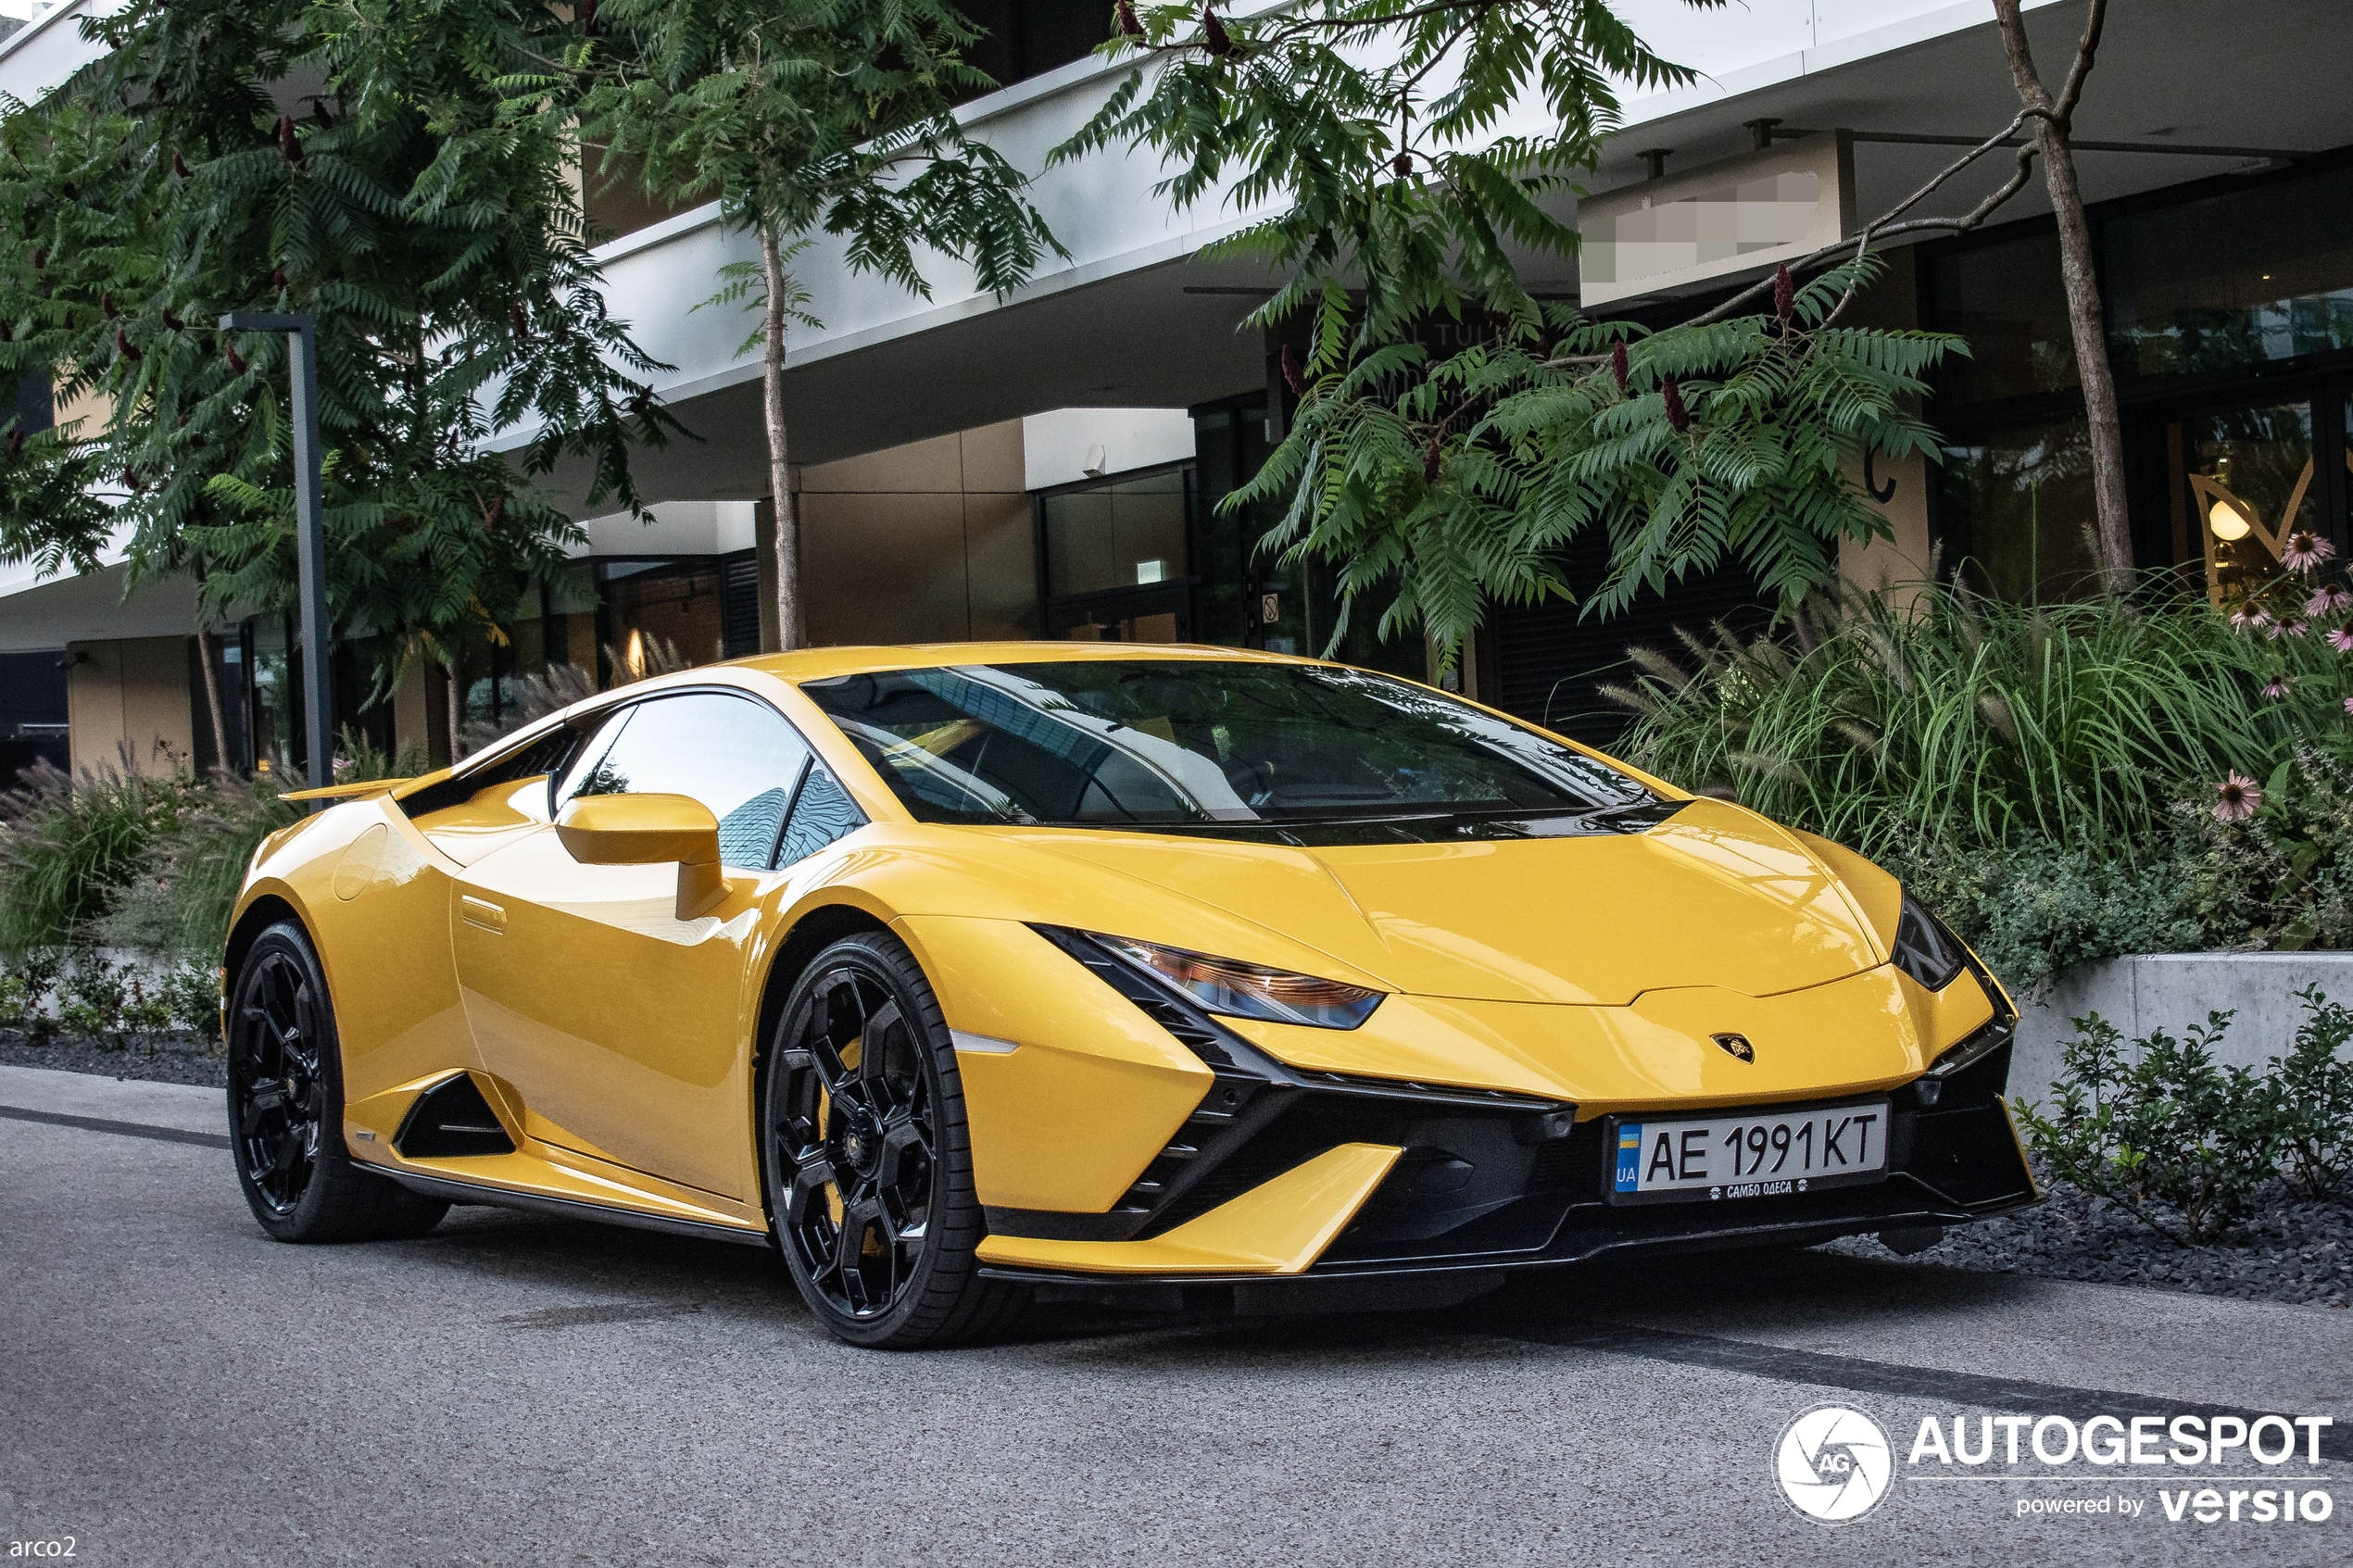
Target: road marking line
[{"x": 120, "y": 1129}]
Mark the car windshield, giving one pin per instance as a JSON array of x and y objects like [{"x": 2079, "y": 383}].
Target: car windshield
[{"x": 1104, "y": 742}]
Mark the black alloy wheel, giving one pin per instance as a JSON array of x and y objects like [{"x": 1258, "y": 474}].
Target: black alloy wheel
[
  {"x": 274, "y": 1073},
  {"x": 285, "y": 1106},
  {"x": 867, "y": 1163}
]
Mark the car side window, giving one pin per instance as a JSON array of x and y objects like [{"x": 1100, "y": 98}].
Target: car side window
[
  {"x": 736, "y": 754},
  {"x": 581, "y": 777},
  {"x": 821, "y": 813}
]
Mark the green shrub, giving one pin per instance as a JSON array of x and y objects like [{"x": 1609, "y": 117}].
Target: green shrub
[
  {"x": 113, "y": 1004},
  {"x": 2310, "y": 1097},
  {"x": 146, "y": 1013},
  {"x": 27, "y": 989},
  {"x": 66, "y": 843},
  {"x": 2161, "y": 1131},
  {"x": 2182, "y": 1145},
  {"x": 17, "y": 1005},
  {"x": 95, "y": 1000},
  {"x": 1974, "y": 723},
  {"x": 191, "y": 995}
]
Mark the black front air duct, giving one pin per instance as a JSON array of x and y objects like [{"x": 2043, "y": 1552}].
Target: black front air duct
[{"x": 451, "y": 1121}]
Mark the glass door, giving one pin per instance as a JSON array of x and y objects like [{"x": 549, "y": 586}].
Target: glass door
[
  {"x": 1118, "y": 563},
  {"x": 2245, "y": 479}
]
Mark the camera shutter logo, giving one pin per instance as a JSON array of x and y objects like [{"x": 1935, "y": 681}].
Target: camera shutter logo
[{"x": 1833, "y": 1465}]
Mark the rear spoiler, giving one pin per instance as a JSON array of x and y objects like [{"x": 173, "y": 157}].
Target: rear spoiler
[{"x": 344, "y": 791}]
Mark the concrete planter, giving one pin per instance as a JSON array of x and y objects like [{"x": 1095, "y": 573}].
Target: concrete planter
[{"x": 2173, "y": 991}]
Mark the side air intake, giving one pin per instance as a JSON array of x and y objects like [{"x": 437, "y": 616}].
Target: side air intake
[{"x": 451, "y": 1121}]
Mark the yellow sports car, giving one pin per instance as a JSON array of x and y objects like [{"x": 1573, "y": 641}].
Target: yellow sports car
[{"x": 968, "y": 976}]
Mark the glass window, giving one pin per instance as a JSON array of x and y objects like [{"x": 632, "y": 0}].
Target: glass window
[
  {"x": 2250, "y": 474},
  {"x": 666, "y": 615},
  {"x": 277, "y": 693},
  {"x": 1125, "y": 535},
  {"x": 2234, "y": 280},
  {"x": 615, "y": 198},
  {"x": 1209, "y": 741},
  {"x": 2009, "y": 302},
  {"x": 733, "y": 754},
  {"x": 821, "y": 813},
  {"x": 1025, "y": 38},
  {"x": 581, "y": 778},
  {"x": 1232, "y": 445},
  {"x": 2017, "y": 508},
  {"x": 33, "y": 408}
]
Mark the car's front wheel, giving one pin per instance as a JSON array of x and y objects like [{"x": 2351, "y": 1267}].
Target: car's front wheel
[
  {"x": 867, "y": 1160},
  {"x": 285, "y": 1106}
]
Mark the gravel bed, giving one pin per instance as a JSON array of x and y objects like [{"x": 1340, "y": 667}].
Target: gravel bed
[
  {"x": 2289, "y": 1250},
  {"x": 174, "y": 1058}
]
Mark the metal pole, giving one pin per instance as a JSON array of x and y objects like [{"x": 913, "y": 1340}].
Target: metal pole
[{"x": 310, "y": 536}]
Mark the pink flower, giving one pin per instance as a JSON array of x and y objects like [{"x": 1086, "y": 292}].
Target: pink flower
[
  {"x": 2295, "y": 627},
  {"x": 2341, "y": 638},
  {"x": 2327, "y": 602},
  {"x": 2304, "y": 550},
  {"x": 2280, "y": 686},
  {"x": 2236, "y": 797}
]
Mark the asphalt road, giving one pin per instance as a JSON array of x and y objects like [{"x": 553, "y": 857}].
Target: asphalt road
[{"x": 175, "y": 1388}]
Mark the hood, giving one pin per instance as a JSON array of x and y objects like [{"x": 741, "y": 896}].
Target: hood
[{"x": 1714, "y": 896}]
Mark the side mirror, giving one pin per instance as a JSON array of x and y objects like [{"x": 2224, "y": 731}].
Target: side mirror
[{"x": 648, "y": 830}]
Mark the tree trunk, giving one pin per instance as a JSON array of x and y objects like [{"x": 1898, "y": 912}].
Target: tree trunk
[
  {"x": 213, "y": 710},
  {"x": 457, "y": 709},
  {"x": 789, "y": 622},
  {"x": 204, "y": 657},
  {"x": 2112, "y": 529}
]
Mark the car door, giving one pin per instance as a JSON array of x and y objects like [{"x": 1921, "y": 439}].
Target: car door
[{"x": 620, "y": 1025}]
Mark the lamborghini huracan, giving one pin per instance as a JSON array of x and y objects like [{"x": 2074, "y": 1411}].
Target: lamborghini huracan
[{"x": 973, "y": 975}]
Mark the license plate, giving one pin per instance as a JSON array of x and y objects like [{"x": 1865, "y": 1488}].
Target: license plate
[{"x": 1760, "y": 1153}]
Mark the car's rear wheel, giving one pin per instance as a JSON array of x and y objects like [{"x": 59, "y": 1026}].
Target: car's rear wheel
[
  {"x": 867, "y": 1160},
  {"x": 285, "y": 1106}
]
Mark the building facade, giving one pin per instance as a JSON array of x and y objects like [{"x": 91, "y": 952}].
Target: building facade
[{"x": 1051, "y": 465}]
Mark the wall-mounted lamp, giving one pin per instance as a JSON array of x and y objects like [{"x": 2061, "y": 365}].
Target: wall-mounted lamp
[
  {"x": 2227, "y": 522},
  {"x": 73, "y": 657}
]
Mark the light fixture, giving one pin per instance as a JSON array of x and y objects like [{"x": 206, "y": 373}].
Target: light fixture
[
  {"x": 635, "y": 658},
  {"x": 2227, "y": 522}
]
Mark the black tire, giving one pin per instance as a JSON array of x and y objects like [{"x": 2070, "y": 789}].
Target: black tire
[
  {"x": 286, "y": 1108},
  {"x": 867, "y": 1158}
]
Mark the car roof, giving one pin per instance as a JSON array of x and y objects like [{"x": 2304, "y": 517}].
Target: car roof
[{"x": 819, "y": 664}]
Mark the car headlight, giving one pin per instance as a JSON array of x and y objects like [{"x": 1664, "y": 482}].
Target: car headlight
[
  {"x": 1924, "y": 949},
  {"x": 1249, "y": 990}
]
